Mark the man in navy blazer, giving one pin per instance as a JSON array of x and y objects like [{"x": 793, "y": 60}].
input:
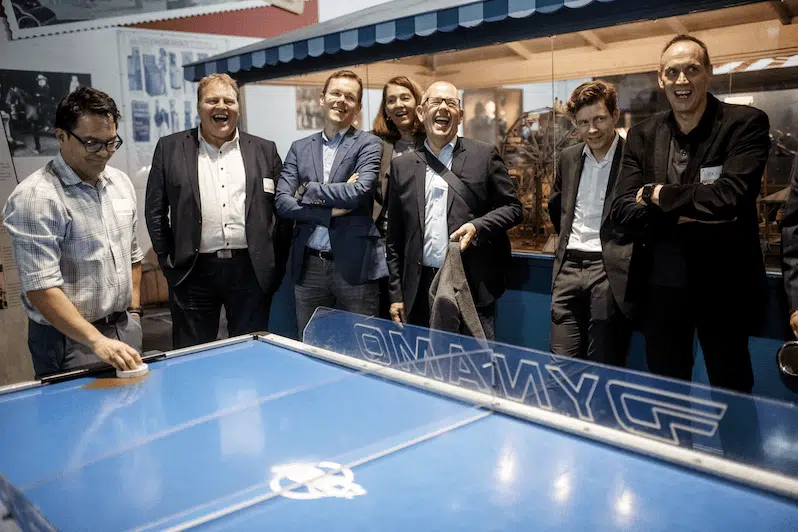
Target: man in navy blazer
[{"x": 327, "y": 187}]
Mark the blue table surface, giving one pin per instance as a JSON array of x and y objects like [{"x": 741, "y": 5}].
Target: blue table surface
[{"x": 202, "y": 432}]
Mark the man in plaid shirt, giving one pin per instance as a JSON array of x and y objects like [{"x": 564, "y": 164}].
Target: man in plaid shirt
[{"x": 73, "y": 230}]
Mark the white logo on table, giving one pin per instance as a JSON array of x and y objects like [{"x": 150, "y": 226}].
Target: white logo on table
[{"x": 323, "y": 479}]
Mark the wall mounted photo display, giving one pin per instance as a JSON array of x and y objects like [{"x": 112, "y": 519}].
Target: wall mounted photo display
[{"x": 28, "y": 100}]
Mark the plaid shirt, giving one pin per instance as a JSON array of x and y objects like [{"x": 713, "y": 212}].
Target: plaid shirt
[{"x": 81, "y": 238}]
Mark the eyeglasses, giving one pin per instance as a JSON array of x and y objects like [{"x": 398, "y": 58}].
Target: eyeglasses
[
  {"x": 453, "y": 103},
  {"x": 94, "y": 146}
]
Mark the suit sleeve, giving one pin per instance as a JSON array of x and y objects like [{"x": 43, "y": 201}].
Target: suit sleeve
[
  {"x": 156, "y": 209},
  {"x": 288, "y": 206},
  {"x": 628, "y": 217},
  {"x": 740, "y": 178},
  {"x": 283, "y": 228},
  {"x": 395, "y": 239},
  {"x": 555, "y": 198},
  {"x": 506, "y": 207},
  {"x": 789, "y": 240},
  {"x": 350, "y": 195}
]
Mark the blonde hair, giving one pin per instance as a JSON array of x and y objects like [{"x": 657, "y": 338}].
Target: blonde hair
[{"x": 216, "y": 78}]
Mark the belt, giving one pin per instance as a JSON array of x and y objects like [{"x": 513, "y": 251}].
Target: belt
[
  {"x": 111, "y": 318},
  {"x": 325, "y": 255},
  {"x": 224, "y": 253},
  {"x": 579, "y": 255}
]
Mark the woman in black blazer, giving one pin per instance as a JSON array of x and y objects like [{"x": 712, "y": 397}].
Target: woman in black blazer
[{"x": 401, "y": 131}]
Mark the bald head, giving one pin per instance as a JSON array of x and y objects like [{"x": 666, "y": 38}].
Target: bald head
[
  {"x": 443, "y": 87},
  {"x": 441, "y": 113}
]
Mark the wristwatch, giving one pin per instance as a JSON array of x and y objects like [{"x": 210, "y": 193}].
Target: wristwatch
[
  {"x": 136, "y": 310},
  {"x": 648, "y": 191}
]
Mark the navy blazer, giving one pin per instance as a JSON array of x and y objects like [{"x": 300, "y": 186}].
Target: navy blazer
[{"x": 354, "y": 239}]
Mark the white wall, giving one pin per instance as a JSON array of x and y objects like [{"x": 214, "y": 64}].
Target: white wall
[{"x": 335, "y": 8}]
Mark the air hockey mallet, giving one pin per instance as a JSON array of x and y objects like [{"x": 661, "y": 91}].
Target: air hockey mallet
[{"x": 787, "y": 360}]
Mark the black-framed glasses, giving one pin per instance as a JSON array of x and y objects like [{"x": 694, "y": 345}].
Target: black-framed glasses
[
  {"x": 453, "y": 103},
  {"x": 94, "y": 146}
]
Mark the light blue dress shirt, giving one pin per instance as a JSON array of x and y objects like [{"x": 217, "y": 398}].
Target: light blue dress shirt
[
  {"x": 436, "y": 227},
  {"x": 320, "y": 238}
]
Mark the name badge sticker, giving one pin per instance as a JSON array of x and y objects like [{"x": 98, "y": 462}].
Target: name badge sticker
[
  {"x": 268, "y": 185},
  {"x": 710, "y": 174},
  {"x": 123, "y": 207}
]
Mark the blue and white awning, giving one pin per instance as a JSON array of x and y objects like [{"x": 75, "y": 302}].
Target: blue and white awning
[{"x": 411, "y": 27}]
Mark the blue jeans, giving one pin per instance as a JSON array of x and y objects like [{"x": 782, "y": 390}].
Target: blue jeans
[{"x": 321, "y": 286}]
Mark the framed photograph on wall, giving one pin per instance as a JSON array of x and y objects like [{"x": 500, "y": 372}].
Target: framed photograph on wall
[
  {"x": 28, "y": 99},
  {"x": 488, "y": 113},
  {"x": 309, "y": 114}
]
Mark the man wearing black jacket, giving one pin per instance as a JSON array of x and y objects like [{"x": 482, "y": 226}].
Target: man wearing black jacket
[
  {"x": 212, "y": 220},
  {"x": 687, "y": 196},
  {"x": 591, "y": 266}
]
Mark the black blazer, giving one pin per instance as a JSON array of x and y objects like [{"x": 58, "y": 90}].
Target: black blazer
[
  {"x": 482, "y": 170},
  {"x": 789, "y": 240},
  {"x": 173, "y": 209},
  {"x": 562, "y": 202},
  {"x": 713, "y": 227}
]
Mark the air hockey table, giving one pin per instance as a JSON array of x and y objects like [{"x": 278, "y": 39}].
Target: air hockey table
[{"x": 369, "y": 425}]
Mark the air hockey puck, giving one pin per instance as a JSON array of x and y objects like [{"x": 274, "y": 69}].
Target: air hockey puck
[{"x": 128, "y": 374}]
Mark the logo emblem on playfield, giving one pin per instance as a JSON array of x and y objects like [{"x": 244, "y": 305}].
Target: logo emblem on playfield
[{"x": 324, "y": 479}]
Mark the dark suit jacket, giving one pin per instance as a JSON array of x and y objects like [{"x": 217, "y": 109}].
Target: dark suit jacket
[
  {"x": 481, "y": 169},
  {"x": 789, "y": 240},
  {"x": 354, "y": 240},
  {"x": 173, "y": 209},
  {"x": 721, "y": 251},
  {"x": 562, "y": 202}
]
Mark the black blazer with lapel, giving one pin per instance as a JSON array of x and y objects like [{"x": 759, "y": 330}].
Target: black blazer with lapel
[
  {"x": 482, "y": 170},
  {"x": 714, "y": 226},
  {"x": 562, "y": 203},
  {"x": 789, "y": 240},
  {"x": 174, "y": 216}
]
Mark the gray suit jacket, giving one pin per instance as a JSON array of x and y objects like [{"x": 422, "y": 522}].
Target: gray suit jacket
[
  {"x": 451, "y": 306},
  {"x": 562, "y": 202}
]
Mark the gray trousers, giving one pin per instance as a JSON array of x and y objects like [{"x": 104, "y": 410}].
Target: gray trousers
[
  {"x": 53, "y": 352},
  {"x": 321, "y": 286},
  {"x": 585, "y": 319}
]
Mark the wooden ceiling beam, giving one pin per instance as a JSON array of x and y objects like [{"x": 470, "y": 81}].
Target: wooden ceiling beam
[
  {"x": 594, "y": 40},
  {"x": 782, "y": 11},
  {"x": 520, "y": 50},
  {"x": 677, "y": 26}
]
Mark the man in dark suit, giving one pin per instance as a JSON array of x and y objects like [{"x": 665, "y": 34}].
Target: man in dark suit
[
  {"x": 211, "y": 217},
  {"x": 590, "y": 265},
  {"x": 687, "y": 196},
  {"x": 789, "y": 247},
  {"x": 453, "y": 189},
  {"x": 327, "y": 187}
]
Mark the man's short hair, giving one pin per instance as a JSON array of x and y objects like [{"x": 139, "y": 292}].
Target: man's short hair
[
  {"x": 214, "y": 78},
  {"x": 346, "y": 74},
  {"x": 592, "y": 92},
  {"x": 682, "y": 38},
  {"x": 84, "y": 101}
]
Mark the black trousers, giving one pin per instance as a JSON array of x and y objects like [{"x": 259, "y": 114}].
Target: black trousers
[
  {"x": 586, "y": 322},
  {"x": 672, "y": 316},
  {"x": 214, "y": 282},
  {"x": 420, "y": 313}
]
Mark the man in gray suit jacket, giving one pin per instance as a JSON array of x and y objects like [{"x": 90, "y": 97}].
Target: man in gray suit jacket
[
  {"x": 590, "y": 265},
  {"x": 326, "y": 187}
]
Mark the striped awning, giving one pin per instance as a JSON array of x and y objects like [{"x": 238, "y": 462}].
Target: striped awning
[{"x": 410, "y": 27}]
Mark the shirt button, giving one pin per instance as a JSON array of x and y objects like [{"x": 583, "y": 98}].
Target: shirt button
[{"x": 224, "y": 204}]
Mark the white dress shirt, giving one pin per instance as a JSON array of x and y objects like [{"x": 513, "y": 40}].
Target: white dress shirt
[
  {"x": 222, "y": 185},
  {"x": 590, "y": 200},
  {"x": 436, "y": 195}
]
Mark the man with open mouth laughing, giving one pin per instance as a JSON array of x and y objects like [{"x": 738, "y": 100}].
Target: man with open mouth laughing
[
  {"x": 211, "y": 217},
  {"x": 687, "y": 197},
  {"x": 455, "y": 189}
]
